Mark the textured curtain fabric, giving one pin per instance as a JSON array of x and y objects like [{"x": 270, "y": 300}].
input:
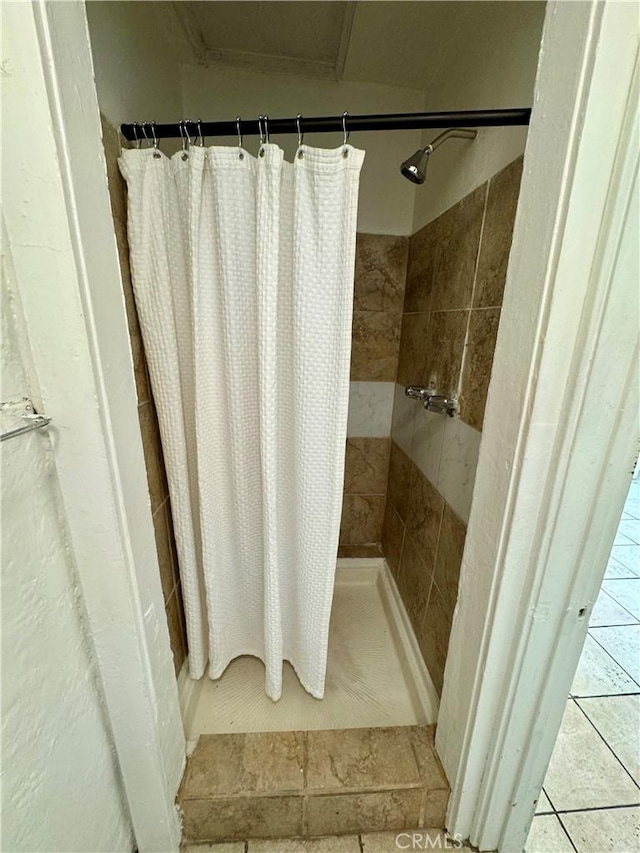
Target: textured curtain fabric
[{"x": 242, "y": 271}]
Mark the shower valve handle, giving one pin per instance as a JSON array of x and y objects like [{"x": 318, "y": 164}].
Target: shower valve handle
[
  {"x": 431, "y": 401},
  {"x": 418, "y": 393}
]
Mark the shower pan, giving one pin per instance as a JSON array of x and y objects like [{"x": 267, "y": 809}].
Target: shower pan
[{"x": 376, "y": 675}]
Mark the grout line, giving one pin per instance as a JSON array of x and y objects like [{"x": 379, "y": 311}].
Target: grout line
[
  {"x": 437, "y": 552},
  {"x": 305, "y": 813},
  {"x": 599, "y": 808},
  {"x": 605, "y": 741},
  {"x": 402, "y": 540},
  {"x": 426, "y": 607},
  {"x": 305, "y": 760},
  {"x": 160, "y": 506},
  {"x": 566, "y": 832},
  {"x": 171, "y": 594},
  {"x": 453, "y": 311},
  {"x": 603, "y": 695},
  {"x": 553, "y": 811},
  {"x": 636, "y": 621},
  {"x": 546, "y": 793},
  {"x": 595, "y": 639},
  {"x": 465, "y": 346}
]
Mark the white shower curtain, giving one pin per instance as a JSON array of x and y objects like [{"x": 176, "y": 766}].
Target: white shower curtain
[{"x": 242, "y": 271}]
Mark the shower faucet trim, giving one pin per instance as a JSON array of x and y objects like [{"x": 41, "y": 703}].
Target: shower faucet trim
[{"x": 432, "y": 402}]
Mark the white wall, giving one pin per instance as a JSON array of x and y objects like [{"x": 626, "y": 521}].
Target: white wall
[
  {"x": 498, "y": 74},
  {"x": 137, "y": 48},
  {"x": 386, "y": 198},
  {"x": 61, "y": 787},
  {"x": 63, "y": 249}
]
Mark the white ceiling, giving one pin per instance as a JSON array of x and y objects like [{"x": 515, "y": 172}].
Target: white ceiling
[
  {"x": 417, "y": 45},
  {"x": 300, "y": 37}
]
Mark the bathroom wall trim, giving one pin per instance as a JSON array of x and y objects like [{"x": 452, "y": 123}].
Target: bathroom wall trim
[
  {"x": 560, "y": 433},
  {"x": 61, "y": 234}
]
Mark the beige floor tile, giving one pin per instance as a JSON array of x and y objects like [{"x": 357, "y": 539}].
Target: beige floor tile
[
  {"x": 419, "y": 839},
  {"x": 615, "y": 569},
  {"x": 608, "y": 611},
  {"x": 605, "y": 830},
  {"x": 626, "y": 592},
  {"x": 329, "y": 844},
  {"x": 583, "y": 773},
  {"x": 628, "y": 555},
  {"x": 226, "y": 765},
  {"x": 239, "y": 818},
  {"x": 544, "y": 806},
  {"x": 381, "y": 811},
  {"x": 617, "y": 718},
  {"x": 360, "y": 759},
  {"x": 226, "y": 847},
  {"x": 623, "y": 644},
  {"x": 599, "y": 675},
  {"x": 547, "y": 836},
  {"x": 632, "y": 507},
  {"x": 630, "y": 528}
]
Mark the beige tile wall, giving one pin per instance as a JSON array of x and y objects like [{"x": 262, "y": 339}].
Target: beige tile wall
[
  {"x": 156, "y": 475},
  {"x": 381, "y": 263},
  {"x": 455, "y": 281}
]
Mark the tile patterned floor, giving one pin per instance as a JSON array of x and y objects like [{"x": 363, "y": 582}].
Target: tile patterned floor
[
  {"x": 590, "y": 802},
  {"x": 375, "y": 842}
]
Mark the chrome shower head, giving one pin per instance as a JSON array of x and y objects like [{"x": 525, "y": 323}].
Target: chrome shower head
[{"x": 415, "y": 168}]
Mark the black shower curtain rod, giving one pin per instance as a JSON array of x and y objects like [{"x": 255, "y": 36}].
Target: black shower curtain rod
[{"x": 326, "y": 124}]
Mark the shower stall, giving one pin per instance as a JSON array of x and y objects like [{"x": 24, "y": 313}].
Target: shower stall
[
  {"x": 449, "y": 623},
  {"x": 385, "y": 443},
  {"x": 256, "y": 495}
]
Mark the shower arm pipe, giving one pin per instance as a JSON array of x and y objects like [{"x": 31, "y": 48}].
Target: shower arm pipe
[
  {"x": 458, "y": 133},
  {"x": 327, "y": 124}
]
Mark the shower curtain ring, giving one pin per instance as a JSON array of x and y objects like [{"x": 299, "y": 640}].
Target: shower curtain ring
[
  {"x": 143, "y": 127},
  {"x": 135, "y": 135},
  {"x": 262, "y": 135},
  {"x": 200, "y": 136},
  {"x": 300, "y": 135},
  {"x": 156, "y": 152},
  {"x": 266, "y": 129},
  {"x": 185, "y": 140},
  {"x": 346, "y": 134},
  {"x": 239, "y": 131}
]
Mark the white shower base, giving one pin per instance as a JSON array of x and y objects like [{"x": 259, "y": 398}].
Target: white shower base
[{"x": 375, "y": 673}]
